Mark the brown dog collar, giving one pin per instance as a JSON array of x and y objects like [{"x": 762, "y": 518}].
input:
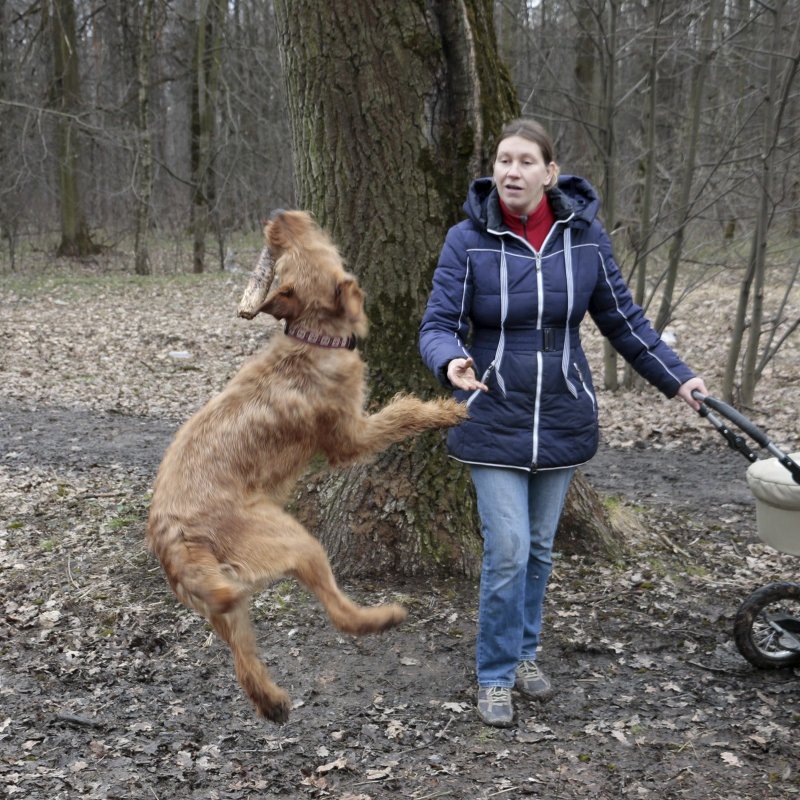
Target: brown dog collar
[{"x": 320, "y": 339}]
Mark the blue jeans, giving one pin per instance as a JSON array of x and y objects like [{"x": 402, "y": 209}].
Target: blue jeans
[{"x": 519, "y": 514}]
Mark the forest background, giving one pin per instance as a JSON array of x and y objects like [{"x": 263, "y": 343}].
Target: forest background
[{"x": 139, "y": 126}]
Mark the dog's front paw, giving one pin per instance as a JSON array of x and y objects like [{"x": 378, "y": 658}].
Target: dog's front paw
[
  {"x": 275, "y": 706},
  {"x": 360, "y": 620}
]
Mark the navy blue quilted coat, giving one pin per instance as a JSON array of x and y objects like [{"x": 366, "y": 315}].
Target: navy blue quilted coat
[{"x": 517, "y": 312}]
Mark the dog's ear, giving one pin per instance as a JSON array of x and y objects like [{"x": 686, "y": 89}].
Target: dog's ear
[
  {"x": 283, "y": 303},
  {"x": 350, "y": 304}
]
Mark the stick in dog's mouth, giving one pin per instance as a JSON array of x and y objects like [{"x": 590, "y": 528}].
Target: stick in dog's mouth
[{"x": 258, "y": 286}]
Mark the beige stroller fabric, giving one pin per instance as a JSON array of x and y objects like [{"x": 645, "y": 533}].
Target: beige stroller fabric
[{"x": 777, "y": 504}]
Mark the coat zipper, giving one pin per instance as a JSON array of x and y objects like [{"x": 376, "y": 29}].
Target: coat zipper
[
  {"x": 484, "y": 378},
  {"x": 535, "y": 454},
  {"x": 583, "y": 383},
  {"x": 540, "y": 312}
]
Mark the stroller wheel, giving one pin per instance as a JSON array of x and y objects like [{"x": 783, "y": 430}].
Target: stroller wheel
[{"x": 767, "y": 626}]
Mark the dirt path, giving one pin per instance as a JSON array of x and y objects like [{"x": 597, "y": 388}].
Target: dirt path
[
  {"x": 110, "y": 690},
  {"x": 708, "y": 476}
]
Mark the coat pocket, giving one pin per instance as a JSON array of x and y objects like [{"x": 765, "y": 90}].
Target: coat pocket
[{"x": 585, "y": 383}]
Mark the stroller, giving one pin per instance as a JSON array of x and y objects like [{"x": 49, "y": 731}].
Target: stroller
[{"x": 767, "y": 625}]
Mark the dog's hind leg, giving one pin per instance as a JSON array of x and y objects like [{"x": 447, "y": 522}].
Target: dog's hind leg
[
  {"x": 275, "y": 544},
  {"x": 313, "y": 570},
  {"x": 197, "y": 577},
  {"x": 236, "y": 629}
]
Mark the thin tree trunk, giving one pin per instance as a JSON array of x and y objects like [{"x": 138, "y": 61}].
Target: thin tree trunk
[
  {"x": 649, "y": 168},
  {"x": 777, "y": 100},
  {"x": 7, "y": 216},
  {"x": 646, "y": 210},
  {"x": 205, "y": 87},
  {"x": 60, "y": 16},
  {"x": 596, "y": 100},
  {"x": 610, "y": 356},
  {"x": 587, "y": 85},
  {"x": 144, "y": 173},
  {"x": 753, "y": 282},
  {"x": 684, "y": 205}
]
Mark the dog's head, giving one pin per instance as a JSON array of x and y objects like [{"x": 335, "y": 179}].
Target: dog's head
[{"x": 308, "y": 282}]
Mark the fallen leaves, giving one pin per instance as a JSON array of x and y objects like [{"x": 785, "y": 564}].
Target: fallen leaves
[{"x": 110, "y": 689}]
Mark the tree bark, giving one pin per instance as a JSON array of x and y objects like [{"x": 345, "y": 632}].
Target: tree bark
[
  {"x": 586, "y": 526},
  {"x": 759, "y": 250},
  {"x": 648, "y": 168},
  {"x": 144, "y": 173},
  {"x": 59, "y": 15},
  {"x": 649, "y": 163},
  {"x": 7, "y": 217},
  {"x": 205, "y": 84},
  {"x": 388, "y": 127},
  {"x": 609, "y": 140},
  {"x": 596, "y": 108},
  {"x": 778, "y": 98}
]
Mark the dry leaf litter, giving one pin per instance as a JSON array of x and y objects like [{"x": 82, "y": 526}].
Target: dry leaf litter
[{"x": 109, "y": 689}]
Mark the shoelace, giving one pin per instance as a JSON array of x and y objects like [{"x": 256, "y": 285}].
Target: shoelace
[
  {"x": 528, "y": 669},
  {"x": 499, "y": 694}
]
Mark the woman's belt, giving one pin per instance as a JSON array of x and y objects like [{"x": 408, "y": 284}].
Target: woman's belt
[{"x": 548, "y": 340}]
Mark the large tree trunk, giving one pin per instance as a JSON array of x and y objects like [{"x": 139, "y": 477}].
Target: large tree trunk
[
  {"x": 586, "y": 526},
  {"x": 60, "y": 16},
  {"x": 388, "y": 127}
]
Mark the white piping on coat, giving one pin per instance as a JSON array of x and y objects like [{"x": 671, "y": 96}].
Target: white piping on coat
[{"x": 570, "y": 299}]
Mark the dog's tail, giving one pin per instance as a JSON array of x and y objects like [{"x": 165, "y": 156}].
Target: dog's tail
[{"x": 199, "y": 580}]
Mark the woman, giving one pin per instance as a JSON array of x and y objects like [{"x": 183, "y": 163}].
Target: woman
[{"x": 501, "y": 328}]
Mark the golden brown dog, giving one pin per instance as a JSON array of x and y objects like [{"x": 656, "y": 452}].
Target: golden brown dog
[{"x": 216, "y": 520}]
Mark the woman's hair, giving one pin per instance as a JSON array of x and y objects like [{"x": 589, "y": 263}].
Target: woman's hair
[{"x": 533, "y": 131}]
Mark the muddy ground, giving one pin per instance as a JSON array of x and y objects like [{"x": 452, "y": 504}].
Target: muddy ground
[{"x": 109, "y": 689}]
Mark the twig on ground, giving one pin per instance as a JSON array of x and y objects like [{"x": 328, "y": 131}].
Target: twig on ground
[
  {"x": 76, "y": 720},
  {"x": 674, "y": 547},
  {"x": 502, "y": 791},
  {"x": 69, "y": 572}
]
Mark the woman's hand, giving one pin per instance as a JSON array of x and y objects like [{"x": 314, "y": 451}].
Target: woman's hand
[
  {"x": 461, "y": 374},
  {"x": 692, "y": 385}
]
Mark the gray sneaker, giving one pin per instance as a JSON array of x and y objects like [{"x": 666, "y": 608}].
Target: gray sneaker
[
  {"x": 494, "y": 706},
  {"x": 532, "y": 682}
]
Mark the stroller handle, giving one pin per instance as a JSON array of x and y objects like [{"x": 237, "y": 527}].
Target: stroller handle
[
  {"x": 735, "y": 441},
  {"x": 741, "y": 421}
]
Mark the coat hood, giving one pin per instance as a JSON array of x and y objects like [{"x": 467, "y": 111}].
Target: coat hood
[{"x": 571, "y": 196}]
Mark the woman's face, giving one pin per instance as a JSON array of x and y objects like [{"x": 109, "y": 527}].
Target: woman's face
[{"x": 521, "y": 174}]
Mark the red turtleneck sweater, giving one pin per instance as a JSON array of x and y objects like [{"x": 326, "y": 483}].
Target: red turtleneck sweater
[{"x": 532, "y": 227}]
